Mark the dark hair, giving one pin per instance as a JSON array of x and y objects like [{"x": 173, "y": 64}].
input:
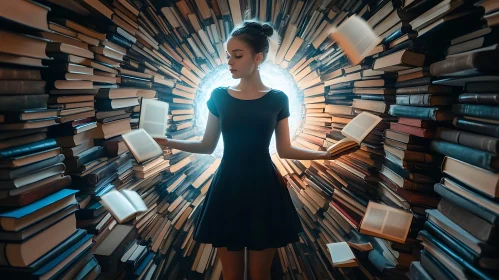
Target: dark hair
[{"x": 256, "y": 34}]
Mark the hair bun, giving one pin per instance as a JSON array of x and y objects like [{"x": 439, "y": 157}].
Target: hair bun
[{"x": 267, "y": 29}]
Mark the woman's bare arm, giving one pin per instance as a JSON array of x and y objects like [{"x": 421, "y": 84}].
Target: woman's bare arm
[
  {"x": 286, "y": 150},
  {"x": 204, "y": 146}
]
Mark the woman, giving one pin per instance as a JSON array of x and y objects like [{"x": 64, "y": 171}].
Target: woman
[{"x": 248, "y": 203}]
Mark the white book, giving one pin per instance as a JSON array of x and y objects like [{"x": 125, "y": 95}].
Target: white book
[
  {"x": 153, "y": 117},
  {"x": 355, "y": 132},
  {"x": 356, "y": 38},
  {"x": 123, "y": 205},
  {"x": 386, "y": 222},
  {"x": 142, "y": 145},
  {"x": 341, "y": 255}
]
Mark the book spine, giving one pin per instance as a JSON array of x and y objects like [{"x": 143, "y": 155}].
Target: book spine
[
  {"x": 119, "y": 40},
  {"x": 478, "y": 127},
  {"x": 476, "y": 141},
  {"x": 434, "y": 267},
  {"x": 418, "y": 157},
  {"x": 22, "y": 87},
  {"x": 475, "y": 157},
  {"x": 28, "y": 148},
  {"x": 413, "y": 90},
  {"x": 9, "y": 174},
  {"x": 30, "y": 197},
  {"x": 414, "y": 100},
  {"x": 469, "y": 222},
  {"x": 94, "y": 178},
  {"x": 20, "y": 74},
  {"x": 90, "y": 155},
  {"x": 467, "y": 204},
  {"x": 415, "y": 195},
  {"x": 479, "y": 111},
  {"x": 414, "y": 83},
  {"x": 426, "y": 113},
  {"x": 461, "y": 249},
  {"x": 479, "y": 98},
  {"x": 470, "y": 270},
  {"x": 23, "y": 102},
  {"x": 417, "y": 131},
  {"x": 470, "y": 61},
  {"x": 131, "y": 82}
]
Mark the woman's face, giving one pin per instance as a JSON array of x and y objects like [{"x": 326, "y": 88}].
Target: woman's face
[{"x": 241, "y": 58}]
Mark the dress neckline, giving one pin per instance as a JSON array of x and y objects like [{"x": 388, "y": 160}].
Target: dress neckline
[{"x": 227, "y": 90}]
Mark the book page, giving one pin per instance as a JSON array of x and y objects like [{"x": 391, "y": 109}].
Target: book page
[
  {"x": 153, "y": 117},
  {"x": 118, "y": 206},
  {"x": 142, "y": 145},
  {"x": 360, "y": 126},
  {"x": 386, "y": 222},
  {"x": 340, "y": 253},
  {"x": 356, "y": 38},
  {"x": 135, "y": 199}
]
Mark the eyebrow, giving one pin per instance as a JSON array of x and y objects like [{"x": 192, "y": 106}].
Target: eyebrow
[{"x": 237, "y": 50}]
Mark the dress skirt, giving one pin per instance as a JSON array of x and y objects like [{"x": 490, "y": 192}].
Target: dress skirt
[{"x": 247, "y": 205}]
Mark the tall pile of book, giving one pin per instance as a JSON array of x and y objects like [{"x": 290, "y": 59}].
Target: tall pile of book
[
  {"x": 458, "y": 235},
  {"x": 39, "y": 228}
]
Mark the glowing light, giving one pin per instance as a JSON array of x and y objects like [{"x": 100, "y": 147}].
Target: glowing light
[{"x": 272, "y": 76}]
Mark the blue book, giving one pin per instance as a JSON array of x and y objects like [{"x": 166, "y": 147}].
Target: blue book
[
  {"x": 81, "y": 247},
  {"x": 7, "y": 219},
  {"x": 144, "y": 263},
  {"x": 28, "y": 148}
]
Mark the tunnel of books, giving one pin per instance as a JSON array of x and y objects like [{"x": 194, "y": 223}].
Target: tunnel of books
[{"x": 417, "y": 199}]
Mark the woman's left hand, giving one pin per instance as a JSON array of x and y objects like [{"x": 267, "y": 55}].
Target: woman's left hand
[{"x": 327, "y": 156}]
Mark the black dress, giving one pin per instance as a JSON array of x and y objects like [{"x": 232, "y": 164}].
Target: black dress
[{"x": 248, "y": 203}]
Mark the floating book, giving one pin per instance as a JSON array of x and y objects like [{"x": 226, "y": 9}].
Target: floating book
[
  {"x": 154, "y": 117},
  {"x": 356, "y": 38},
  {"x": 355, "y": 132},
  {"x": 342, "y": 255},
  {"x": 124, "y": 204},
  {"x": 386, "y": 222},
  {"x": 141, "y": 144}
]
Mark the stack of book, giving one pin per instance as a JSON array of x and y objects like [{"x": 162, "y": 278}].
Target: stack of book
[
  {"x": 41, "y": 239},
  {"x": 459, "y": 235},
  {"x": 37, "y": 212},
  {"x": 423, "y": 104},
  {"x": 180, "y": 117}
]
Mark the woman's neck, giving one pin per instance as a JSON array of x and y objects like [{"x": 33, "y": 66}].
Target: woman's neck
[{"x": 252, "y": 83}]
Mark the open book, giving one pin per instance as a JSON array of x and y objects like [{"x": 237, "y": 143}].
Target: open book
[
  {"x": 123, "y": 205},
  {"x": 342, "y": 255},
  {"x": 355, "y": 132},
  {"x": 356, "y": 38},
  {"x": 386, "y": 222},
  {"x": 141, "y": 144},
  {"x": 154, "y": 117}
]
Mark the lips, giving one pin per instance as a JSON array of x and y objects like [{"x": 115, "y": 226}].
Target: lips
[{"x": 232, "y": 71}]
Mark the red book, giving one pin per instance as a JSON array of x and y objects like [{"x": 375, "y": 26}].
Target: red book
[
  {"x": 417, "y": 198},
  {"x": 345, "y": 215},
  {"x": 416, "y": 131},
  {"x": 416, "y": 122}
]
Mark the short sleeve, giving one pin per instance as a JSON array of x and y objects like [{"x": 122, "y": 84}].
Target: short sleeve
[
  {"x": 284, "y": 113},
  {"x": 211, "y": 104}
]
